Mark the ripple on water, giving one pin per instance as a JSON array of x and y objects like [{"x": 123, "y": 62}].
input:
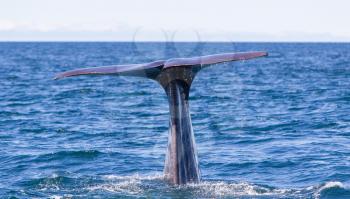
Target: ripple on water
[{"x": 84, "y": 154}]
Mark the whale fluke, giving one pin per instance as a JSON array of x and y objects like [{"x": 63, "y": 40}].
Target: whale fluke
[
  {"x": 212, "y": 59},
  {"x": 175, "y": 76},
  {"x": 152, "y": 69}
]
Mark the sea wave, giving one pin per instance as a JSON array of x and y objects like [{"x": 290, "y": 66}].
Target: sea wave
[{"x": 332, "y": 189}]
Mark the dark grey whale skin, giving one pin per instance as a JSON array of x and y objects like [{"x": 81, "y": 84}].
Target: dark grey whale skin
[
  {"x": 181, "y": 164},
  {"x": 175, "y": 76}
]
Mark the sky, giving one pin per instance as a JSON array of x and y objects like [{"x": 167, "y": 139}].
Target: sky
[{"x": 180, "y": 20}]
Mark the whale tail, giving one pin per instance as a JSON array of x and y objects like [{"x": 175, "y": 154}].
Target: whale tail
[
  {"x": 175, "y": 76},
  {"x": 153, "y": 69}
]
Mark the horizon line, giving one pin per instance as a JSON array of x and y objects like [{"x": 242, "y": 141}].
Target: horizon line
[{"x": 160, "y": 41}]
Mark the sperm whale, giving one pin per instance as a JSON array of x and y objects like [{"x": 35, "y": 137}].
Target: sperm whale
[{"x": 175, "y": 76}]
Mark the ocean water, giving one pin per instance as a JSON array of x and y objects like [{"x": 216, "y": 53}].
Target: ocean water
[{"x": 276, "y": 127}]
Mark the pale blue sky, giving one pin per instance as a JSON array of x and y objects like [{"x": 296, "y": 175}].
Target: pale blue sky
[{"x": 180, "y": 20}]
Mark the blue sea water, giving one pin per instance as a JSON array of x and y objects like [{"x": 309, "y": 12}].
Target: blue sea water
[{"x": 276, "y": 127}]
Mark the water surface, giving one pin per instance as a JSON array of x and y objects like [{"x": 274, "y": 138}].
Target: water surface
[{"x": 276, "y": 127}]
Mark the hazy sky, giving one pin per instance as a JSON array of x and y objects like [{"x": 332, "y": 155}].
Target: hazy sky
[{"x": 160, "y": 20}]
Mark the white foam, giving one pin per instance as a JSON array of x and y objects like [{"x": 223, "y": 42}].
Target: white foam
[
  {"x": 129, "y": 187},
  {"x": 125, "y": 184},
  {"x": 157, "y": 176},
  {"x": 217, "y": 189},
  {"x": 139, "y": 184},
  {"x": 332, "y": 184},
  {"x": 66, "y": 196},
  {"x": 56, "y": 197}
]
